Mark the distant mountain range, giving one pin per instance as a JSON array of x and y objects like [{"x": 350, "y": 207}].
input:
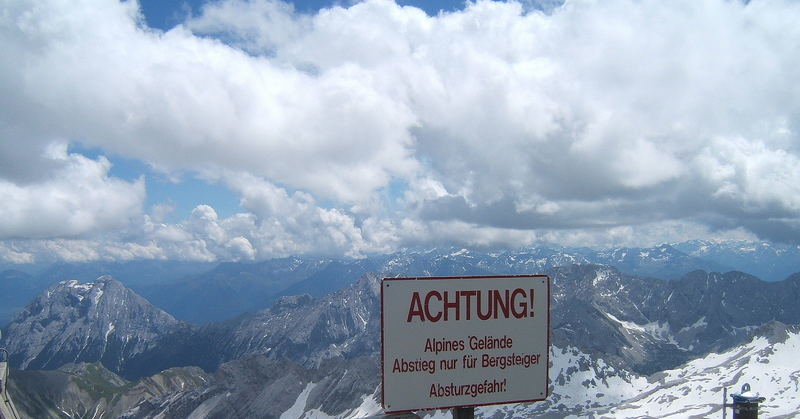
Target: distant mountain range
[
  {"x": 202, "y": 292},
  {"x": 618, "y": 339},
  {"x": 768, "y": 261}
]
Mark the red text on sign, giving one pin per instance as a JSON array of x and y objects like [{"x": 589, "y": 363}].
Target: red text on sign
[{"x": 435, "y": 306}]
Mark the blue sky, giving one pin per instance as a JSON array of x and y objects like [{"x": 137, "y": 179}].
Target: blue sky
[
  {"x": 180, "y": 192},
  {"x": 165, "y": 14},
  {"x": 251, "y": 129}
]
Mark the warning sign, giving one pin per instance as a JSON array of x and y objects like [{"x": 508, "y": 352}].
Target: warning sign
[{"x": 464, "y": 341}]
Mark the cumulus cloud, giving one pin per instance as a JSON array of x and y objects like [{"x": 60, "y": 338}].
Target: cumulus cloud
[
  {"x": 616, "y": 121},
  {"x": 259, "y": 27},
  {"x": 81, "y": 198},
  {"x": 90, "y": 71}
]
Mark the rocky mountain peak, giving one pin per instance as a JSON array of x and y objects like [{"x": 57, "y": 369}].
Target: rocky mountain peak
[{"x": 74, "y": 322}]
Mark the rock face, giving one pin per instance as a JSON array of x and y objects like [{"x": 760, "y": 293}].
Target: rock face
[
  {"x": 257, "y": 387},
  {"x": 98, "y": 321},
  {"x": 650, "y": 325},
  {"x": 300, "y": 328}
]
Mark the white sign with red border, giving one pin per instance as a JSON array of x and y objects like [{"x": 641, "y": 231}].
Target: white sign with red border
[{"x": 464, "y": 341}]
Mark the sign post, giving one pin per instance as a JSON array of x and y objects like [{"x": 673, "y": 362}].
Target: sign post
[{"x": 450, "y": 342}]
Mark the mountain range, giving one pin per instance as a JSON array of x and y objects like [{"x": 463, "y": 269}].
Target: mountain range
[
  {"x": 769, "y": 261},
  {"x": 618, "y": 340}
]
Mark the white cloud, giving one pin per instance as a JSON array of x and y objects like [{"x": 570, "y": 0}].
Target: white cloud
[
  {"x": 256, "y": 26},
  {"x": 81, "y": 198},
  {"x": 181, "y": 102},
  {"x": 615, "y": 121},
  {"x": 752, "y": 175},
  {"x": 643, "y": 235},
  {"x": 10, "y": 253},
  {"x": 286, "y": 224}
]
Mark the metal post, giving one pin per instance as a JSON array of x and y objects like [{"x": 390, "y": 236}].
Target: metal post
[
  {"x": 463, "y": 413},
  {"x": 724, "y": 402}
]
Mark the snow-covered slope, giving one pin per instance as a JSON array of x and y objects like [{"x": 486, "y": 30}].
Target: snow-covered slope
[
  {"x": 584, "y": 386},
  {"x": 769, "y": 363}
]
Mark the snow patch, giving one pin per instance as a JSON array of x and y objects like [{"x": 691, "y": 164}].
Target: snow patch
[
  {"x": 699, "y": 323},
  {"x": 459, "y": 253},
  {"x": 599, "y": 277},
  {"x": 97, "y": 295},
  {"x": 110, "y": 330},
  {"x": 656, "y": 330},
  {"x": 370, "y": 406},
  {"x": 74, "y": 284},
  {"x": 299, "y": 405}
]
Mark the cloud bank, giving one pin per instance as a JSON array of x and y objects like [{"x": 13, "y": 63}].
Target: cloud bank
[{"x": 377, "y": 127}]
